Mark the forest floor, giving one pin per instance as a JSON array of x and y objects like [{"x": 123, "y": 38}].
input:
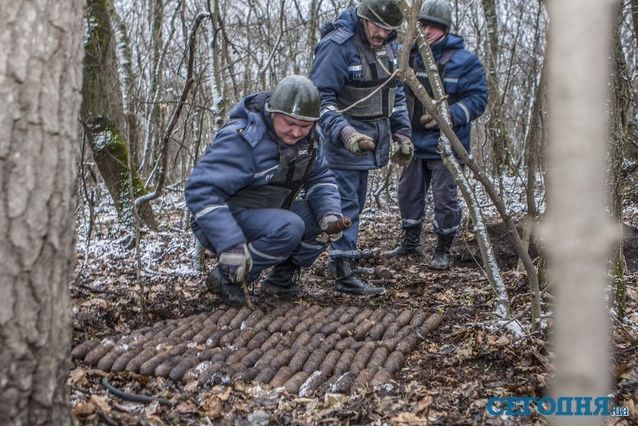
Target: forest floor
[{"x": 447, "y": 380}]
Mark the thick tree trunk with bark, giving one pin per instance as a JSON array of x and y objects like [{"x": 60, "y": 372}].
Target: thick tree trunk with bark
[
  {"x": 40, "y": 82},
  {"x": 103, "y": 115}
]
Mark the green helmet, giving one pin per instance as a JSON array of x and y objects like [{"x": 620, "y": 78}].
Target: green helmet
[
  {"x": 384, "y": 13},
  {"x": 297, "y": 97},
  {"x": 436, "y": 12}
]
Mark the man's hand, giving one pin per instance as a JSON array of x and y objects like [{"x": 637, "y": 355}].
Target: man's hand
[
  {"x": 332, "y": 227},
  {"x": 236, "y": 262},
  {"x": 402, "y": 156},
  {"x": 428, "y": 121},
  {"x": 355, "y": 142}
]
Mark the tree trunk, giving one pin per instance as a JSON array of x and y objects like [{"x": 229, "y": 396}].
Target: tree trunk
[
  {"x": 127, "y": 78},
  {"x": 532, "y": 148},
  {"x": 621, "y": 115},
  {"x": 103, "y": 117},
  {"x": 577, "y": 230},
  {"x": 497, "y": 132},
  {"x": 40, "y": 95},
  {"x": 634, "y": 15}
]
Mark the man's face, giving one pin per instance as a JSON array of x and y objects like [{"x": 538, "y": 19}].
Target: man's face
[
  {"x": 289, "y": 129},
  {"x": 432, "y": 33},
  {"x": 375, "y": 35}
]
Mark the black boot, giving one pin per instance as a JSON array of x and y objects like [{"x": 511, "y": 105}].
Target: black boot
[
  {"x": 347, "y": 282},
  {"x": 230, "y": 293},
  {"x": 283, "y": 280},
  {"x": 409, "y": 245},
  {"x": 441, "y": 258},
  {"x": 331, "y": 271}
]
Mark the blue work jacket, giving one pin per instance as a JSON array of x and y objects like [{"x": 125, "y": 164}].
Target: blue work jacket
[
  {"x": 244, "y": 155},
  {"x": 338, "y": 62}
]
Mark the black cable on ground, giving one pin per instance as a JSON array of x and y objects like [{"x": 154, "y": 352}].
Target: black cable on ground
[{"x": 141, "y": 398}]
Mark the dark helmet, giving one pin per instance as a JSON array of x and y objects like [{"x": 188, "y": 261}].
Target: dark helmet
[
  {"x": 384, "y": 13},
  {"x": 436, "y": 12},
  {"x": 297, "y": 97}
]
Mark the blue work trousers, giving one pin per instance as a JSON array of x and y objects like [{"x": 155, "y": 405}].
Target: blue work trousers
[
  {"x": 416, "y": 179},
  {"x": 274, "y": 235},
  {"x": 353, "y": 186}
]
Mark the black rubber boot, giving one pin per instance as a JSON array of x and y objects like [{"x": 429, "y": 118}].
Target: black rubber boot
[
  {"x": 409, "y": 244},
  {"x": 230, "y": 293},
  {"x": 441, "y": 257},
  {"x": 347, "y": 282},
  {"x": 283, "y": 280},
  {"x": 331, "y": 270}
]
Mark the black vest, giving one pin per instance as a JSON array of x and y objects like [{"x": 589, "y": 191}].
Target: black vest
[
  {"x": 415, "y": 108},
  {"x": 284, "y": 186},
  {"x": 373, "y": 62}
]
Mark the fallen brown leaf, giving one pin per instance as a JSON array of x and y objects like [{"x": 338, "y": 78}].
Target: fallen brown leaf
[
  {"x": 408, "y": 418},
  {"x": 84, "y": 409}
]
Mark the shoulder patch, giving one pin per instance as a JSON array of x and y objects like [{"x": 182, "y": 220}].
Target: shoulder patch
[{"x": 339, "y": 36}]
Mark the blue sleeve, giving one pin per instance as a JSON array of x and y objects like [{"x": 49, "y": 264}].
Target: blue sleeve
[
  {"x": 322, "y": 191},
  {"x": 226, "y": 167},
  {"x": 465, "y": 79},
  {"x": 330, "y": 73}
]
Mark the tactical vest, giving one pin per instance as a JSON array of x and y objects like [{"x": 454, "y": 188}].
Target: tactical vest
[
  {"x": 373, "y": 62},
  {"x": 283, "y": 187},
  {"x": 415, "y": 108}
]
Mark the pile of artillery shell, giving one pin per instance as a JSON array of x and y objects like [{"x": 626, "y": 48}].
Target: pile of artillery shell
[{"x": 303, "y": 349}]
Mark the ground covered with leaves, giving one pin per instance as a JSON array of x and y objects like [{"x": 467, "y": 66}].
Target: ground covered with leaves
[{"x": 447, "y": 380}]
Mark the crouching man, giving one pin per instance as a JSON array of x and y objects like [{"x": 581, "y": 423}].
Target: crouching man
[{"x": 243, "y": 192}]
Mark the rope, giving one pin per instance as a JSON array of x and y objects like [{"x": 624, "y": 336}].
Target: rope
[{"x": 371, "y": 93}]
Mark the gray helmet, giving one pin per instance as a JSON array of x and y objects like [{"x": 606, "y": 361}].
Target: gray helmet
[
  {"x": 436, "y": 12},
  {"x": 384, "y": 13},
  {"x": 297, "y": 97}
]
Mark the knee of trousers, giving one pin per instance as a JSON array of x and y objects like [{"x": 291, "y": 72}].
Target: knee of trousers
[
  {"x": 288, "y": 227},
  {"x": 201, "y": 238}
]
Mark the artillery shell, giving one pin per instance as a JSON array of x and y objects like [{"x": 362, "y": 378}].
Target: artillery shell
[
  {"x": 294, "y": 383},
  {"x": 299, "y": 359},
  {"x": 83, "y": 349},
  {"x": 343, "y": 363},
  {"x": 239, "y": 317},
  {"x": 93, "y": 356},
  {"x": 282, "y": 375}
]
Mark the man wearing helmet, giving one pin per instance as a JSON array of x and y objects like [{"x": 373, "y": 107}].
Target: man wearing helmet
[
  {"x": 243, "y": 192},
  {"x": 464, "y": 83},
  {"x": 362, "y": 112}
]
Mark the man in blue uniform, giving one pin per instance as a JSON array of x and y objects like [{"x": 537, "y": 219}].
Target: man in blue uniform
[
  {"x": 243, "y": 192},
  {"x": 363, "y": 110},
  {"x": 464, "y": 83}
]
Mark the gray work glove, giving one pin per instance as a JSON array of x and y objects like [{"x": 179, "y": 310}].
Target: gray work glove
[
  {"x": 236, "y": 262},
  {"x": 355, "y": 142},
  {"x": 328, "y": 224},
  {"x": 428, "y": 121},
  {"x": 402, "y": 156}
]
